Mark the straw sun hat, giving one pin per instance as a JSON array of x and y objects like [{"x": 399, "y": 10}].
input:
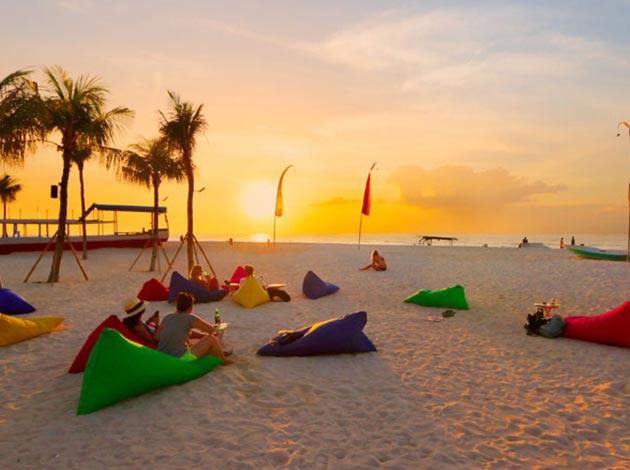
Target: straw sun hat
[{"x": 134, "y": 306}]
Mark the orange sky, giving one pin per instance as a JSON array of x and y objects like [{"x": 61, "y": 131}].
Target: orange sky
[{"x": 498, "y": 118}]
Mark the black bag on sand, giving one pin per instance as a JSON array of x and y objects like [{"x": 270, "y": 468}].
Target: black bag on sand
[{"x": 535, "y": 321}]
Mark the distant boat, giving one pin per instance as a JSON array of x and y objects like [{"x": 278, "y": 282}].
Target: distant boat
[
  {"x": 597, "y": 253},
  {"x": 532, "y": 245},
  {"x": 35, "y": 234}
]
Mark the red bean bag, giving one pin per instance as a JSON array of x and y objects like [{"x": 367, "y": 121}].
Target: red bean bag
[
  {"x": 611, "y": 328},
  {"x": 153, "y": 290},
  {"x": 239, "y": 273},
  {"x": 112, "y": 322}
]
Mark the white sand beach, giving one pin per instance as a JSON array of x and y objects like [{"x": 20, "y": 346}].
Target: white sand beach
[{"x": 468, "y": 392}]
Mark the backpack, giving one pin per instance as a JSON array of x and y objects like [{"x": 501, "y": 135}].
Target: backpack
[{"x": 535, "y": 321}]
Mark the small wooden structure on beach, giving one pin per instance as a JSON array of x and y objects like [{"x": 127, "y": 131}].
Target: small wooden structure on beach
[{"x": 429, "y": 239}]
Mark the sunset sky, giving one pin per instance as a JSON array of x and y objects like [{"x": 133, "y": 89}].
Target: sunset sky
[{"x": 483, "y": 117}]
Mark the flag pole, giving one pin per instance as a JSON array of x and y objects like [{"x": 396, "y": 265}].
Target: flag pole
[
  {"x": 365, "y": 209},
  {"x": 279, "y": 203}
]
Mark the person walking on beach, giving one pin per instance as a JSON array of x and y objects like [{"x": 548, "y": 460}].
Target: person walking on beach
[
  {"x": 175, "y": 332},
  {"x": 132, "y": 319},
  {"x": 272, "y": 291},
  {"x": 378, "y": 262}
]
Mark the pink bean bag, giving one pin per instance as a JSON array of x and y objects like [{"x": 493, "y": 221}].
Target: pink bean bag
[
  {"x": 611, "y": 328},
  {"x": 112, "y": 322}
]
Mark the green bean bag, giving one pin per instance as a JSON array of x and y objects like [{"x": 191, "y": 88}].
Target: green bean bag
[
  {"x": 451, "y": 297},
  {"x": 119, "y": 368},
  {"x": 13, "y": 330}
]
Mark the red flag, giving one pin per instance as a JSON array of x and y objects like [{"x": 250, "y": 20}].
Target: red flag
[
  {"x": 366, "y": 194},
  {"x": 366, "y": 197},
  {"x": 279, "y": 200}
]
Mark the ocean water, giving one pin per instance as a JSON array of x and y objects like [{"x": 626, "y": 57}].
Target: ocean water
[{"x": 604, "y": 241}]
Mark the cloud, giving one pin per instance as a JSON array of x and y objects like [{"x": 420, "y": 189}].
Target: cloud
[
  {"x": 75, "y": 5},
  {"x": 465, "y": 46},
  {"x": 336, "y": 202},
  {"x": 462, "y": 189}
]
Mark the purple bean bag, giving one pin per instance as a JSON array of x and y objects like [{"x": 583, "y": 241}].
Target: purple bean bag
[
  {"x": 181, "y": 284},
  {"x": 13, "y": 304},
  {"x": 336, "y": 336},
  {"x": 314, "y": 287}
]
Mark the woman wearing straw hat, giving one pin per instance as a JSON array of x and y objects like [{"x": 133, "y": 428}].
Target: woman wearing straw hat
[{"x": 132, "y": 319}]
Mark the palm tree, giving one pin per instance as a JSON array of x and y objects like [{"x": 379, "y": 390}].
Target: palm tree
[
  {"x": 79, "y": 156},
  {"x": 20, "y": 118},
  {"x": 148, "y": 164},
  {"x": 8, "y": 192},
  {"x": 180, "y": 130},
  {"x": 72, "y": 109},
  {"x": 82, "y": 153}
]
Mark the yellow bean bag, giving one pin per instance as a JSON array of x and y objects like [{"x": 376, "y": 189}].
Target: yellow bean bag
[
  {"x": 250, "y": 293},
  {"x": 13, "y": 330}
]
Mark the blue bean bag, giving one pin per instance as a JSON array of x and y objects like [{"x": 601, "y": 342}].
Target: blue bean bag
[
  {"x": 451, "y": 297},
  {"x": 13, "y": 304},
  {"x": 336, "y": 336},
  {"x": 119, "y": 368},
  {"x": 314, "y": 287},
  {"x": 181, "y": 284}
]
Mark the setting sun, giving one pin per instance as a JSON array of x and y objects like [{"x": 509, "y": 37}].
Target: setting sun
[{"x": 258, "y": 199}]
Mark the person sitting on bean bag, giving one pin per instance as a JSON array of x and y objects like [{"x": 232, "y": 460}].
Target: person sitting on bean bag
[
  {"x": 202, "y": 278},
  {"x": 132, "y": 319},
  {"x": 175, "y": 331},
  {"x": 272, "y": 291}
]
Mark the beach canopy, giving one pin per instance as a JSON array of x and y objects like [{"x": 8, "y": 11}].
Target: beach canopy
[
  {"x": 153, "y": 290},
  {"x": 112, "y": 322},
  {"x": 181, "y": 284},
  {"x": 251, "y": 293},
  {"x": 13, "y": 330},
  {"x": 13, "y": 304},
  {"x": 119, "y": 369},
  {"x": 314, "y": 287},
  {"x": 612, "y": 327},
  {"x": 450, "y": 297},
  {"x": 335, "y": 336}
]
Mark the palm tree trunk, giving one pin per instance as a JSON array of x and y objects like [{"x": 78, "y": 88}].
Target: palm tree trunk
[
  {"x": 154, "y": 231},
  {"x": 63, "y": 213},
  {"x": 84, "y": 224},
  {"x": 4, "y": 216},
  {"x": 189, "y": 213}
]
